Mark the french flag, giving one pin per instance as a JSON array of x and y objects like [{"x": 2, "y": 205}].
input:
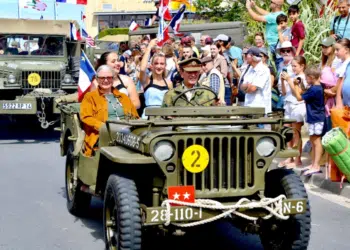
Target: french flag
[
  {"x": 133, "y": 25},
  {"x": 164, "y": 11},
  {"x": 175, "y": 22},
  {"x": 148, "y": 22},
  {"x": 163, "y": 33},
  {"x": 86, "y": 74},
  {"x": 74, "y": 33},
  {"x": 84, "y": 2}
]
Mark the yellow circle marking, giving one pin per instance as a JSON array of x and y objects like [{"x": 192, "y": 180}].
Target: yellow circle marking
[
  {"x": 34, "y": 79},
  {"x": 195, "y": 158}
]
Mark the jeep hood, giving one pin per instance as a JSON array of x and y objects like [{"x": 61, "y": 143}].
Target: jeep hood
[{"x": 16, "y": 65}]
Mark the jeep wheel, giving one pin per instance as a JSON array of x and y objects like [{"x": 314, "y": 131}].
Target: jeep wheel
[
  {"x": 78, "y": 202},
  {"x": 121, "y": 214},
  {"x": 291, "y": 234}
]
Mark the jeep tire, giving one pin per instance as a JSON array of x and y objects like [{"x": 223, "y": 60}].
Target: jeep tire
[
  {"x": 121, "y": 214},
  {"x": 291, "y": 234},
  {"x": 78, "y": 202}
]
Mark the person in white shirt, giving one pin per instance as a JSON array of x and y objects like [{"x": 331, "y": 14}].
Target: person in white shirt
[
  {"x": 294, "y": 109},
  {"x": 256, "y": 83}
]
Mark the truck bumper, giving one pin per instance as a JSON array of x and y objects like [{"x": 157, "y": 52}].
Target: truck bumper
[{"x": 26, "y": 105}]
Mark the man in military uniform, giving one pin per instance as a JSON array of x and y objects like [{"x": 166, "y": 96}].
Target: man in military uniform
[{"x": 190, "y": 71}]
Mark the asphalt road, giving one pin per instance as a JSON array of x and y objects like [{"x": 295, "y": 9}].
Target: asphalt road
[{"x": 33, "y": 212}]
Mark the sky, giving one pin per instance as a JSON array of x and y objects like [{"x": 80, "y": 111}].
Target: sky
[{"x": 44, "y": 8}]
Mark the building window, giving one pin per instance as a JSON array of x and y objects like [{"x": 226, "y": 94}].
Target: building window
[{"x": 107, "y": 6}]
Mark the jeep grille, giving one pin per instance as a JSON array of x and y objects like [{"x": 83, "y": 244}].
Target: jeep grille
[
  {"x": 231, "y": 165},
  {"x": 49, "y": 79}
]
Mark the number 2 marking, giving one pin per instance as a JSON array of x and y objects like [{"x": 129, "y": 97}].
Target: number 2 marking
[
  {"x": 156, "y": 215},
  {"x": 195, "y": 161}
]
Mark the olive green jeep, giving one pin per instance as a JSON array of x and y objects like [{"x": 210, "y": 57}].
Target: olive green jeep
[
  {"x": 38, "y": 64},
  {"x": 184, "y": 167}
]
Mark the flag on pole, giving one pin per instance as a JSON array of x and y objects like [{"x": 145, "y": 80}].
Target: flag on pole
[
  {"x": 133, "y": 25},
  {"x": 74, "y": 32},
  {"x": 86, "y": 74},
  {"x": 163, "y": 32},
  {"x": 90, "y": 42},
  {"x": 84, "y": 2},
  {"x": 164, "y": 11},
  {"x": 83, "y": 17},
  {"x": 175, "y": 22},
  {"x": 148, "y": 22}
]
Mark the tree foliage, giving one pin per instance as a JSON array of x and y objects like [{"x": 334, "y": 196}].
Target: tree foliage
[
  {"x": 316, "y": 27},
  {"x": 113, "y": 31}
]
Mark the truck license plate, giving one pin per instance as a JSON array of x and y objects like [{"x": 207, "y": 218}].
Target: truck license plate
[
  {"x": 294, "y": 206},
  {"x": 158, "y": 215},
  {"x": 16, "y": 105}
]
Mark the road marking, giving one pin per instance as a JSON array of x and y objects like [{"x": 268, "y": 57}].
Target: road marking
[{"x": 324, "y": 194}]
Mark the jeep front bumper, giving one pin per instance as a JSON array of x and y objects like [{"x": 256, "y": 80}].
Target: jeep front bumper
[{"x": 250, "y": 210}]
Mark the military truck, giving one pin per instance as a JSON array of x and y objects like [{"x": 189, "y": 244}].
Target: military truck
[
  {"x": 236, "y": 30},
  {"x": 184, "y": 167},
  {"x": 38, "y": 63}
]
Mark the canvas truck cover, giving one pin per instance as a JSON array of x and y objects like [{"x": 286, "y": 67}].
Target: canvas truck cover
[
  {"x": 29, "y": 26},
  {"x": 236, "y": 30}
]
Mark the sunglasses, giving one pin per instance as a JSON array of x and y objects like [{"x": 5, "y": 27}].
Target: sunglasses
[
  {"x": 286, "y": 50},
  {"x": 104, "y": 78}
]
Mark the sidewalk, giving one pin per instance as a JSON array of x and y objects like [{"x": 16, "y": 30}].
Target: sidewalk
[{"x": 318, "y": 180}]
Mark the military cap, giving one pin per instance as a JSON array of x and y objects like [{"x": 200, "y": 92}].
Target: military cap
[{"x": 190, "y": 64}]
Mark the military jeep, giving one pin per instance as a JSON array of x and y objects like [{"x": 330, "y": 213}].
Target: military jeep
[
  {"x": 184, "y": 167},
  {"x": 37, "y": 64}
]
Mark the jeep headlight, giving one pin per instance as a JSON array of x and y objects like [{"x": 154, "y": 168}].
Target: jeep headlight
[
  {"x": 265, "y": 146},
  {"x": 11, "y": 78},
  {"x": 164, "y": 150},
  {"x": 67, "y": 79}
]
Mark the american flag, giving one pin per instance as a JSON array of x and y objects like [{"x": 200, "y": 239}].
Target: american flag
[{"x": 88, "y": 39}]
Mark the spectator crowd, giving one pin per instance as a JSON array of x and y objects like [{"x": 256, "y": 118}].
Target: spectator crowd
[{"x": 271, "y": 73}]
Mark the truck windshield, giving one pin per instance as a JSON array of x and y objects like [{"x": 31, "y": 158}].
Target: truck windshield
[{"x": 31, "y": 45}]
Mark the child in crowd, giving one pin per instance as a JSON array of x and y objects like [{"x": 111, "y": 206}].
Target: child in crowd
[
  {"x": 295, "y": 109},
  {"x": 315, "y": 113},
  {"x": 298, "y": 29},
  {"x": 329, "y": 79},
  {"x": 284, "y": 34}
]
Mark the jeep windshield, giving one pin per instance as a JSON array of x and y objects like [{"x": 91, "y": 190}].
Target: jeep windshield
[{"x": 31, "y": 45}]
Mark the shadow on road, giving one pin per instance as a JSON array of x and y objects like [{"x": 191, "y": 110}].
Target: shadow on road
[{"x": 26, "y": 131}]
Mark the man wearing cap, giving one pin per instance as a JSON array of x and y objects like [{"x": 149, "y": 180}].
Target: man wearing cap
[
  {"x": 224, "y": 42},
  {"x": 213, "y": 78},
  {"x": 189, "y": 70},
  {"x": 267, "y": 17},
  {"x": 256, "y": 84}
]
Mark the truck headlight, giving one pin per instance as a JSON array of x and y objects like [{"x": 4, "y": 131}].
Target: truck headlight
[
  {"x": 164, "y": 150},
  {"x": 11, "y": 78},
  {"x": 265, "y": 146},
  {"x": 67, "y": 79}
]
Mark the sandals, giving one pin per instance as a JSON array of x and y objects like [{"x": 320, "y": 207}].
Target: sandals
[{"x": 306, "y": 174}]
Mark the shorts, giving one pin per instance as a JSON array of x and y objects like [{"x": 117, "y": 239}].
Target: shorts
[
  {"x": 295, "y": 111},
  {"x": 315, "y": 128}
]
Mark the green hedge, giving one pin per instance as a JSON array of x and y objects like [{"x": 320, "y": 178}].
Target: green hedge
[{"x": 114, "y": 31}]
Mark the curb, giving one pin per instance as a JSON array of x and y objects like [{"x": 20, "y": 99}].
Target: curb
[{"x": 319, "y": 180}]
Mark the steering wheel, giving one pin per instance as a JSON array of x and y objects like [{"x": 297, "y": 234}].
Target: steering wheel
[{"x": 194, "y": 89}]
